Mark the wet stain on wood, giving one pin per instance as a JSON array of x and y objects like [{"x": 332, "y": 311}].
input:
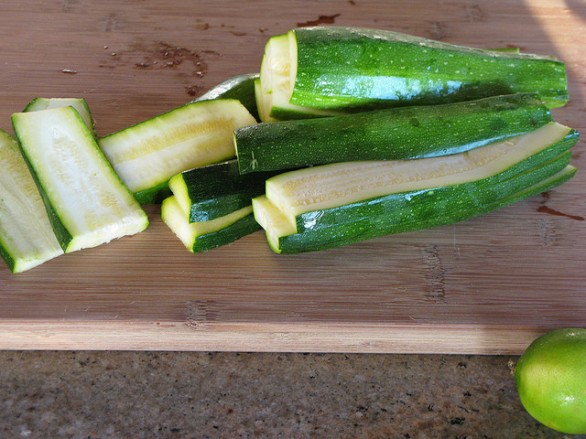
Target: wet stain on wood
[
  {"x": 548, "y": 210},
  {"x": 322, "y": 19}
]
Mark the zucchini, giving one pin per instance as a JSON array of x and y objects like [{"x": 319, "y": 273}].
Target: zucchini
[
  {"x": 26, "y": 236},
  {"x": 79, "y": 104},
  {"x": 87, "y": 203},
  {"x": 332, "y": 68},
  {"x": 213, "y": 191},
  {"x": 275, "y": 82},
  {"x": 148, "y": 154},
  {"x": 241, "y": 87},
  {"x": 202, "y": 236},
  {"x": 388, "y": 134},
  {"x": 331, "y": 205}
]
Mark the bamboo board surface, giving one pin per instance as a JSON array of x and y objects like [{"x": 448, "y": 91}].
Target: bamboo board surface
[{"x": 488, "y": 285}]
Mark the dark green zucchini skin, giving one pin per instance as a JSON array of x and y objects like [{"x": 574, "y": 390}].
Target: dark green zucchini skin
[
  {"x": 421, "y": 209},
  {"x": 218, "y": 190},
  {"x": 239, "y": 229},
  {"x": 389, "y": 134},
  {"x": 342, "y": 67},
  {"x": 239, "y": 87}
]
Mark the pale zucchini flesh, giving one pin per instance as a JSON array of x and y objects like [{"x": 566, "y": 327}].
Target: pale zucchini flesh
[
  {"x": 80, "y": 104},
  {"x": 26, "y": 236},
  {"x": 88, "y": 204},
  {"x": 148, "y": 154}
]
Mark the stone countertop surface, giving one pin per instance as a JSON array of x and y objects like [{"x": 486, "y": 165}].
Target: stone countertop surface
[{"x": 101, "y": 394}]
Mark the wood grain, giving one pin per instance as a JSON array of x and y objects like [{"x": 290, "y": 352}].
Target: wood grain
[{"x": 488, "y": 285}]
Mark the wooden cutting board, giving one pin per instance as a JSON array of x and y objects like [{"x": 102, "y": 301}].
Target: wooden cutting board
[{"x": 489, "y": 285}]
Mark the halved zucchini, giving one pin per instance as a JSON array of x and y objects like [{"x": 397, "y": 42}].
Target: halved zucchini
[
  {"x": 206, "y": 235},
  {"x": 26, "y": 235},
  {"x": 148, "y": 154},
  {"x": 213, "y": 191},
  {"x": 388, "y": 134},
  {"x": 331, "y": 68},
  {"x": 87, "y": 203},
  {"x": 337, "y": 204}
]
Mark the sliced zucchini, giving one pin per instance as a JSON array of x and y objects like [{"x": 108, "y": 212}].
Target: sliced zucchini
[
  {"x": 206, "y": 235},
  {"x": 148, "y": 154},
  {"x": 276, "y": 79},
  {"x": 213, "y": 191},
  {"x": 79, "y": 104},
  {"x": 239, "y": 87},
  {"x": 388, "y": 134},
  {"x": 326, "y": 206},
  {"x": 87, "y": 203},
  {"x": 26, "y": 236},
  {"x": 332, "y": 68}
]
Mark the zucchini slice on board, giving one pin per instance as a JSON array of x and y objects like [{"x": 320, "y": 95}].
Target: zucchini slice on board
[
  {"x": 148, "y": 154},
  {"x": 239, "y": 87},
  {"x": 88, "y": 204},
  {"x": 388, "y": 134},
  {"x": 79, "y": 104},
  {"x": 202, "y": 236},
  {"x": 331, "y": 205},
  {"x": 26, "y": 236},
  {"x": 331, "y": 68},
  {"x": 213, "y": 191}
]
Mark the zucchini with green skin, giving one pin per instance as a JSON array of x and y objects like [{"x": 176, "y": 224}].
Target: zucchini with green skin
[
  {"x": 26, "y": 235},
  {"x": 148, "y": 154},
  {"x": 241, "y": 87},
  {"x": 79, "y": 104},
  {"x": 274, "y": 83},
  {"x": 338, "y": 204},
  {"x": 87, "y": 203},
  {"x": 213, "y": 191},
  {"x": 388, "y": 134},
  {"x": 202, "y": 236},
  {"x": 351, "y": 69}
]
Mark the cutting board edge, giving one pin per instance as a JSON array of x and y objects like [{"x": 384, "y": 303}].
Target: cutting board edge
[{"x": 328, "y": 337}]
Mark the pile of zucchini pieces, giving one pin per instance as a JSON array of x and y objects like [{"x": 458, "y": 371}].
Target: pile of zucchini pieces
[{"x": 346, "y": 134}]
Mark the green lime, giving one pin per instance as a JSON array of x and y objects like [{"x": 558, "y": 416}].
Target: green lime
[{"x": 551, "y": 380}]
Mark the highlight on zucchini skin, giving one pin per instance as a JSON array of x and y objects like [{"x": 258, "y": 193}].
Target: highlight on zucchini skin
[
  {"x": 332, "y": 68},
  {"x": 352, "y": 202},
  {"x": 388, "y": 134},
  {"x": 86, "y": 201},
  {"x": 26, "y": 235},
  {"x": 148, "y": 154}
]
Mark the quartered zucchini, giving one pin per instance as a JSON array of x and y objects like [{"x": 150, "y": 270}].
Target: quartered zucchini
[
  {"x": 213, "y": 191},
  {"x": 239, "y": 87},
  {"x": 148, "y": 154},
  {"x": 329, "y": 68},
  {"x": 337, "y": 204},
  {"x": 26, "y": 236},
  {"x": 87, "y": 203},
  {"x": 79, "y": 104},
  {"x": 206, "y": 235},
  {"x": 388, "y": 134}
]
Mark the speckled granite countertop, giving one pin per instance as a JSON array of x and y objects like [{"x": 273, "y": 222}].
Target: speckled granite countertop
[{"x": 230, "y": 395}]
